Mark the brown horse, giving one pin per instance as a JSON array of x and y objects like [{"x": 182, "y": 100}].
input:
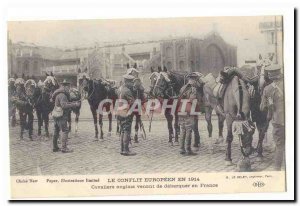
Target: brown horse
[{"x": 237, "y": 108}]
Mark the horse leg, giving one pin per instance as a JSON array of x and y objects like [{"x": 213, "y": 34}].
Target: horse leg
[
  {"x": 76, "y": 120},
  {"x": 228, "y": 160},
  {"x": 196, "y": 133},
  {"x": 70, "y": 121},
  {"x": 208, "y": 112},
  {"x": 170, "y": 128},
  {"x": 262, "y": 129},
  {"x": 95, "y": 123},
  {"x": 136, "y": 128},
  {"x": 101, "y": 125},
  {"x": 40, "y": 120},
  {"x": 177, "y": 129},
  {"x": 221, "y": 120},
  {"x": 46, "y": 120},
  {"x": 109, "y": 124}
]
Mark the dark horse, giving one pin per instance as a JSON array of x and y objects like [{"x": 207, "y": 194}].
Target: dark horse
[
  {"x": 96, "y": 92},
  {"x": 75, "y": 95},
  {"x": 11, "y": 106},
  {"x": 43, "y": 104},
  {"x": 167, "y": 86}
]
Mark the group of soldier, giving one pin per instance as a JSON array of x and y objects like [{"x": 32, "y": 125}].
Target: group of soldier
[{"x": 272, "y": 101}]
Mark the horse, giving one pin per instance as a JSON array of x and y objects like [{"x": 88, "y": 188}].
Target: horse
[
  {"x": 209, "y": 103},
  {"x": 167, "y": 86},
  {"x": 95, "y": 91},
  {"x": 236, "y": 102},
  {"x": 43, "y": 103},
  {"x": 11, "y": 106}
]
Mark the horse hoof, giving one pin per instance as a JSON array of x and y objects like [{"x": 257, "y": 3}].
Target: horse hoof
[
  {"x": 176, "y": 143},
  {"x": 170, "y": 143},
  {"x": 228, "y": 163},
  {"x": 219, "y": 140}
]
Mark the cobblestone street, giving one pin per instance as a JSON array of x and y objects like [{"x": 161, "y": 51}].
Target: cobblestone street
[{"x": 154, "y": 154}]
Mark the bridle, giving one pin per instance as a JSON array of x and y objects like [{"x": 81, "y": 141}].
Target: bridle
[{"x": 164, "y": 90}]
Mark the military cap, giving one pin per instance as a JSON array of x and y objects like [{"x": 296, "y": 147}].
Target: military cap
[
  {"x": 274, "y": 72},
  {"x": 65, "y": 82},
  {"x": 194, "y": 75},
  {"x": 19, "y": 81},
  {"x": 128, "y": 77},
  {"x": 11, "y": 80}
]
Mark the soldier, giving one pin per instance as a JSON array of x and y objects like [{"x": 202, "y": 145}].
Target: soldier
[
  {"x": 11, "y": 106},
  {"x": 125, "y": 120},
  {"x": 273, "y": 102},
  {"x": 60, "y": 115},
  {"x": 187, "y": 121},
  {"x": 24, "y": 104}
]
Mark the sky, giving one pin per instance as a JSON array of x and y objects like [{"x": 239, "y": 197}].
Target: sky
[{"x": 242, "y": 32}]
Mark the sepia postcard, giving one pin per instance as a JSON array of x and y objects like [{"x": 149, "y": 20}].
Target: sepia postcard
[{"x": 146, "y": 106}]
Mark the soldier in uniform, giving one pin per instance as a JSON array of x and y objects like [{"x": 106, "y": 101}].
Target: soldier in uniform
[
  {"x": 24, "y": 104},
  {"x": 125, "y": 119},
  {"x": 273, "y": 102},
  {"x": 187, "y": 121},
  {"x": 62, "y": 100}
]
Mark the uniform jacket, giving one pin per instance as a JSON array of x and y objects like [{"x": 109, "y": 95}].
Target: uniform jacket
[
  {"x": 22, "y": 101},
  {"x": 273, "y": 100},
  {"x": 61, "y": 99},
  {"x": 189, "y": 93},
  {"x": 125, "y": 94}
]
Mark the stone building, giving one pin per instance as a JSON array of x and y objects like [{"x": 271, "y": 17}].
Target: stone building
[{"x": 208, "y": 55}]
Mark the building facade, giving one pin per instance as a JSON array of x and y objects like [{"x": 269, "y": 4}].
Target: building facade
[{"x": 208, "y": 55}]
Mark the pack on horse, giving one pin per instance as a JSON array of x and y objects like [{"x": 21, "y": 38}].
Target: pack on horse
[
  {"x": 237, "y": 111},
  {"x": 43, "y": 103},
  {"x": 167, "y": 86},
  {"x": 95, "y": 91},
  {"x": 75, "y": 96}
]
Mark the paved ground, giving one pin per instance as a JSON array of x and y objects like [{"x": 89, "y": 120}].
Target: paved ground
[{"x": 153, "y": 154}]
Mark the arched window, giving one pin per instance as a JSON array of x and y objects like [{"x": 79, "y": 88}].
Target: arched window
[
  {"x": 169, "y": 66},
  {"x": 35, "y": 67},
  {"x": 192, "y": 66},
  {"x": 181, "y": 65},
  {"x": 181, "y": 51},
  {"x": 169, "y": 52},
  {"x": 26, "y": 67}
]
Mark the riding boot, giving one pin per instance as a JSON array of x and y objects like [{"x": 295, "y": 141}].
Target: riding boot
[
  {"x": 21, "y": 133},
  {"x": 127, "y": 152},
  {"x": 64, "y": 140},
  {"x": 122, "y": 143},
  {"x": 136, "y": 140},
  {"x": 30, "y": 134}
]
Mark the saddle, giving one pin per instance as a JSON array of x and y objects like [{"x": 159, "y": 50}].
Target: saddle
[{"x": 214, "y": 87}]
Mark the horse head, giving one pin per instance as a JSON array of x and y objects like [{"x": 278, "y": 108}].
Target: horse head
[
  {"x": 51, "y": 83},
  {"x": 162, "y": 85},
  {"x": 30, "y": 87},
  {"x": 260, "y": 67}
]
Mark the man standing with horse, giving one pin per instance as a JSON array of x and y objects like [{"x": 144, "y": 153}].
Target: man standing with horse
[
  {"x": 125, "y": 119},
  {"x": 187, "y": 120},
  {"x": 24, "y": 103},
  {"x": 60, "y": 115},
  {"x": 273, "y": 102}
]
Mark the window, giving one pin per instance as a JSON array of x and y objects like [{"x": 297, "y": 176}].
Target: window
[
  {"x": 181, "y": 51},
  {"x": 35, "y": 67},
  {"x": 169, "y": 52},
  {"x": 271, "y": 38},
  {"x": 181, "y": 65},
  {"x": 169, "y": 65},
  {"x": 26, "y": 67}
]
